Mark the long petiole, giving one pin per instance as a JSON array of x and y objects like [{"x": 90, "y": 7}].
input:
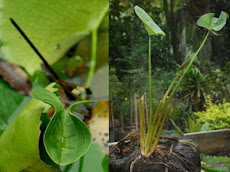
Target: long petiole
[
  {"x": 156, "y": 140},
  {"x": 150, "y": 84},
  {"x": 93, "y": 58},
  {"x": 188, "y": 67},
  {"x": 151, "y": 129},
  {"x": 153, "y": 126}
]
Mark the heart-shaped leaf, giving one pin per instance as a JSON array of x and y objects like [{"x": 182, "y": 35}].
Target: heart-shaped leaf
[
  {"x": 151, "y": 27},
  {"x": 210, "y": 22},
  {"x": 66, "y": 138}
]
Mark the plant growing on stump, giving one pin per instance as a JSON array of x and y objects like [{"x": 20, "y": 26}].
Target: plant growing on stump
[{"x": 150, "y": 135}]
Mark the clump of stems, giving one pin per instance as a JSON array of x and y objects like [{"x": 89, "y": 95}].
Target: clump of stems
[
  {"x": 150, "y": 134},
  {"x": 150, "y": 138}
]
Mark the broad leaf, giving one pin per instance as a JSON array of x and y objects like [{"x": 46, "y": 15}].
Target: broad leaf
[
  {"x": 94, "y": 157},
  {"x": 53, "y": 26},
  {"x": 151, "y": 27},
  {"x": 210, "y": 22},
  {"x": 9, "y": 103},
  {"x": 221, "y": 21},
  {"x": 206, "y": 21},
  {"x": 19, "y": 142},
  {"x": 66, "y": 138}
]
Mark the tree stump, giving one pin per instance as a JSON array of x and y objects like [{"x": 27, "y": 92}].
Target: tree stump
[{"x": 171, "y": 155}]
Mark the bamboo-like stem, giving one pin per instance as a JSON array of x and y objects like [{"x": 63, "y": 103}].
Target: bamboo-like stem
[
  {"x": 150, "y": 84},
  {"x": 151, "y": 133},
  {"x": 146, "y": 110},
  {"x": 150, "y": 98},
  {"x": 151, "y": 129},
  {"x": 156, "y": 140},
  {"x": 93, "y": 58},
  {"x": 142, "y": 124}
]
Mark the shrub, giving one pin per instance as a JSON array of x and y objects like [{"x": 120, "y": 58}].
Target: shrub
[{"x": 218, "y": 116}]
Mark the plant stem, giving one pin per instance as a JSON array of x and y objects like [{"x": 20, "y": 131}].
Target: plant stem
[
  {"x": 142, "y": 124},
  {"x": 188, "y": 67},
  {"x": 155, "y": 125},
  {"x": 93, "y": 58},
  {"x": 159, "y": 127},
  {"x": 151, "y": 127},
  {"x": 155, "y": 122},
  {"x": 81, "y": 162},
  {"x": 150, "y": 84},
  {"x": 148, "y": 136}
]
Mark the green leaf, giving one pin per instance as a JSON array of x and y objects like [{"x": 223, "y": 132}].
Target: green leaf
[
  {"x": 221, "y": 21},
  {"x": 93, "y": 156},
  {"x": 206, "y": 21},
  {"x": 178, "y": 128},
  {"x": 105, "y": 164},
  {"x": 66, "y": 138},
  {"x": 151, "y": 27},
  {"x": 9, "y": 105},
  {"x": 19, "y": 142},
  {"x": 210, "y": 22},
  {"x": 53, "y": 26}
]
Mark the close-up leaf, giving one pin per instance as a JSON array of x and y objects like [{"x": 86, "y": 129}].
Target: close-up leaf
[
  {"x": 206, "y": 21},
  {"x": 66, "y": 138},
  {"x": 53, "y": 26}
]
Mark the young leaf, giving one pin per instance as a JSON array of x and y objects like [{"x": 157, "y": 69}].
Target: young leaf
[
  {"x": 151, "y": 27},
  {"x": 212, "y": 23},
  {"x": 206, "y": 21},
  {"x": 221, "y": 21},
  {"x": 66, "y": 138}
]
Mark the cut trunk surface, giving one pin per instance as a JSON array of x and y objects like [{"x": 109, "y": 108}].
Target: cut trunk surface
[{"x": 171, "y": 155}]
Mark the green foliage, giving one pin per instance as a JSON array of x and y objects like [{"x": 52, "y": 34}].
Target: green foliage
[
  {"x": 203, "y": 80},
  {"x": 220, "y": 164},
  {"x": 19, "y": 142},
  {"x": 9, "y": 104},
  {"x": 51, "y": 38},
  {"x": 212, "y": 23},
  {"x": 105, "y": 164},
  {"x": 66, "y": 138},
  {"x": 217, "y": 116},
  {"x": 92, "y": 156},
  {"x": 151, "y": 27}
]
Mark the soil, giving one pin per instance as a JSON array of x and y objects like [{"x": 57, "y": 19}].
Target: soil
[{"x": 171, "y": 155}]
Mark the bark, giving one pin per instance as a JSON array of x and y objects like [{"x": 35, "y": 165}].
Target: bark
[
  {"x": 111, "y": 116},
  {"x": 173, "y": 31},
  {"x": 121, "y": 118},
  {"x": 166, "y": 10},
  {"x": 183, "y": 34}
]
